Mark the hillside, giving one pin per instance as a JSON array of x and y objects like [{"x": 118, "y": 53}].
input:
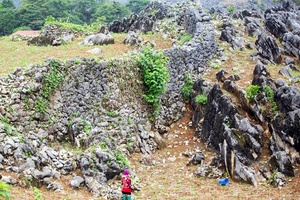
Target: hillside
[{"x": 72, "y": 121}]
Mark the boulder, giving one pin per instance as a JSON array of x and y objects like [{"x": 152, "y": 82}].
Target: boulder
[
  {"x": 132, "y": 38},
  {"x": 98, "y": 39}
]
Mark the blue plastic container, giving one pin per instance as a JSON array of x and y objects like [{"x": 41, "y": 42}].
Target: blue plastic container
[{"x": 223, "y": 181}]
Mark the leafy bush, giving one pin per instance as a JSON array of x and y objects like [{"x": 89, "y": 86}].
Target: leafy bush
[
  {"x": 4, "y": 187},
  {"x": 187, "y": 87},
  {"x": 201, "y": 99},
  {"x": 184, "y": 39},
  {"x": 252, "y": 91},
  {"x": 155, "y": 75}
]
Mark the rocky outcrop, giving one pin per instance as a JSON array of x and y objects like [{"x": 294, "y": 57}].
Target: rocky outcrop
[
  {"x": 53, "y": 35},
  {"x": 236, "y": 138},
  {"x": 142, "y": 22},
  {"x": 229, "y": 34},
  {"x": 268, "y": 48}
]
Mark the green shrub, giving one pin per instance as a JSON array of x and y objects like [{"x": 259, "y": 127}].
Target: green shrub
[
  {"x": 252, "y": 91},
  {"x": 121, "y": 158},
  {"x": 201, "y": 99},
  {"x": 4, "y": 187},
  {"x": 184, "y": 39},
  {"x": 187, "y": 87},
  {"x": 37, "y": 193},
  {"x": 270, "y": 97},
  {"x": 230, "y": 8},
  {"x": 155, "y": 75},
  {"x": 112, "y": 114}
]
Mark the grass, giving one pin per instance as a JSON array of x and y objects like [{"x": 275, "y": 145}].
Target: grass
[{"x": 20, "y": 55}]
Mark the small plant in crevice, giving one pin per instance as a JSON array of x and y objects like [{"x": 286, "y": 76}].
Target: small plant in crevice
[
  {"x": 252, "y": 91},
  {"x": 185, "y": 38},
  {"x": 112, "y": 114},
  {"x": 201, "y": 99},
  {"x": 155, "y": 76},
  {"x": 230, "y": 8},
  {"x": 187, "y": 87}
]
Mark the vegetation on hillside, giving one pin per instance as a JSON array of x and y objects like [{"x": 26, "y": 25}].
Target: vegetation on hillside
[{"x": 31, "y": 14}]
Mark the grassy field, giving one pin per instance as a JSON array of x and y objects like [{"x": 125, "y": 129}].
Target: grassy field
[{"x": 20, "y": 55}]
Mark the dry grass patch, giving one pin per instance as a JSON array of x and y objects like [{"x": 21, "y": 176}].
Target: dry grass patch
[{"x": 19, "y": 54}]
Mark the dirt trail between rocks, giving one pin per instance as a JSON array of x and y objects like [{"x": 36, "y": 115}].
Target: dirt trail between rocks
[{"x": 170, "y": 178}]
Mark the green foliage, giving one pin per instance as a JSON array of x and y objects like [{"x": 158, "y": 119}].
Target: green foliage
[
  {"x": 22, "y": 28},
  {"x": 185, "y": 38},
  {"x": 68, "y": 25},
  {"x": 37, "y": 194},
  {"x": 41, "y": 105},
  {"x": 155, "y": 75},
  {"x": 230, "y": 8},
  {"x": 252, "y": 91},
  {"x": 8, "y": 21},
  {"x": 52, "y": 81},
  {"x": 86, "y": 128},
  {"x": 270, "y": 97},
  {"x": 4, "y": 190},
  {"x": 112, "y": 114},
  {"x": 201, "y": 99},
  {"x": 187, "y": 87},
  {"x": 137, "y": 5},
  {"x": 111, "y": 11},
  {"x": 121, "y": 158},
  {"x": 7, "y": 4}
]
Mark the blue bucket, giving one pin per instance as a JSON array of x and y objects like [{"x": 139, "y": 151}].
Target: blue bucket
[{"x": 223, "y": 181}]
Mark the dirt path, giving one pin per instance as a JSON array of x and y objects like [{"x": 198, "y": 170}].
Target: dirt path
[{"x": 170, "y": 178}]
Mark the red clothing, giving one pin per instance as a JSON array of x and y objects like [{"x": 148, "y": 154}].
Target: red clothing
[{"x": 126, "y": 182}]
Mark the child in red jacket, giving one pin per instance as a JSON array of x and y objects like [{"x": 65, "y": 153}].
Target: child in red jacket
[{"x": 126, "y": 188}]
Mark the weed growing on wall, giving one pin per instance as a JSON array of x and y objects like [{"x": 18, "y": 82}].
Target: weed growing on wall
[
  {"x": 187, "y": 87},
  {"x": 155, "y": 75},
  {"x": 185, "y": 38},
  {"x": 50, "y": 83}
]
